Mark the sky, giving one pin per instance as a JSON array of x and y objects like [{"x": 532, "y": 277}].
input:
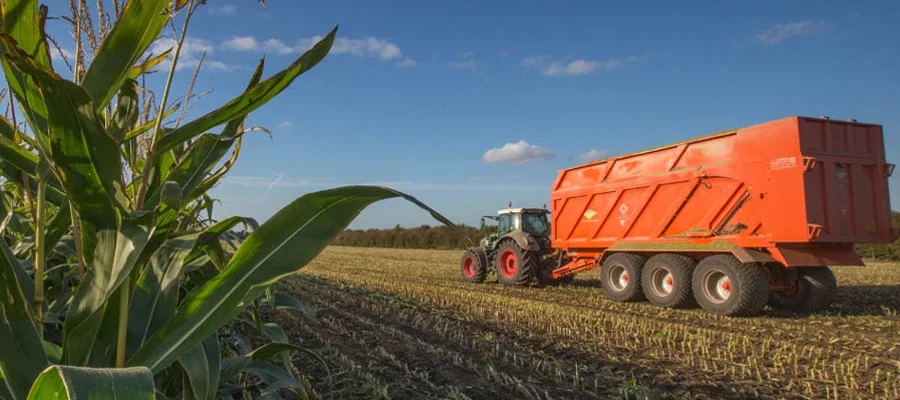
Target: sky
[{"x": 467, "y": 105}]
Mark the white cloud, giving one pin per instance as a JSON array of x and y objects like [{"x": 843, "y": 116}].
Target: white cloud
[
  {"x": 517, "y": 153},
  {"x": 279, "y": 180},
  {"x": 191, "y": 50},
  {"x": 407, "y": 63},
  {"x": 249, "y": 43},
  {"x": 593, "y": 154},
  {"x": 779, "y": 32},
  {"x": 286, "y": 124},
  {"x": 367, "y": 47},
  {"x": 466, "y": 61},
  {"x": 227, "y": 9},
  {"x": 565, "y": 67}
]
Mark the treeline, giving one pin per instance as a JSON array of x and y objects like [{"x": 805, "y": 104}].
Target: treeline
[
  {"x": 887, "y": 252},
  {"x": 422, "y": 237},
  {"x": 444, "y": 237}
]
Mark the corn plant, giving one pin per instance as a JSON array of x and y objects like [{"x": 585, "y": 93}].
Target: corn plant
[{"x": 111, "y": 284}]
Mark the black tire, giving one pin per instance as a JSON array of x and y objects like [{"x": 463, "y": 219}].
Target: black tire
[
  {"x": 473, "y": 265},
  {"x": 666, "y": 280},
  {"x": 620, "y": 276},
  {"x": 546, "y": 271},
  {"x": 515, "y": 266},
  {"x": 723, "y": 285},
  {"x": 816, "y": 287}
]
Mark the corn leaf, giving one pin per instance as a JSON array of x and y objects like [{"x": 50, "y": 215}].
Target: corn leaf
[
  {"x": 142, "y": 68},
  {"x": 21, "y": 350},
  {"x": 87, "y": 159},
  {"x": 275, "y": 378},
  {"x": 17, "y": 156},
  {"x": 156, "y": 296},
  {"x": 282, "y": 245},
  {"x": 127, "y": 110},
  {"x": 206, "y": 152},
  {"x": 146, "y": 127},
  {"x": 134, "y": 31},
  {"x": 116, "y": 253},
  {"x": 202, "y": 367},
  {"x": 23, "y": 22},
  {"x": 249, "y": 100},
  {"x": 66, "y": 382}
]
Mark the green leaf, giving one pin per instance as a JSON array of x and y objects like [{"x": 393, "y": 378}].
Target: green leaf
[
  {"x": 206, "y": 152},
  {"x": 127, "y": 110},
  {"x": 53, "y": 352},
  {"x": 23, "y": 23},
  {"x": 21, "y": 352},
  {"x": 18, "y": 156},
  {"x": 249, "y": 100},
  {"x": 114, "y": 257},
  {"x": 279, "y": 247},
  {"x": 171, "y": 195},
  {"x": 202, "y": 366},
  {"x": 139, "y": 70},
  {"x": 135, "y": 30},
  {"x": 283, "y": 301},
  {"x": 87, "y": 159},
  {"x": 79, "y": 383},
  {"x": 146, "y": 127},
  {"x": 156, "y": 296},
  {"x": 275, "y": 379},
  {"x": 275, "y": 332}
]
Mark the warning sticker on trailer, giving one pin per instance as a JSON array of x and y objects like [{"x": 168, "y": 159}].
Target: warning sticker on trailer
[{"x": 783, "y": 163}]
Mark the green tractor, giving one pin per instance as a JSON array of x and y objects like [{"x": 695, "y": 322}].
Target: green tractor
[{"x": 519, "y": 251}]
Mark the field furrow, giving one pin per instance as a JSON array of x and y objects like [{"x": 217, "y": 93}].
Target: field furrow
[{"x": 547, "y": 334}]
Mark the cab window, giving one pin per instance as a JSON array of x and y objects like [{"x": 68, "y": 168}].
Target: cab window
[{"x": 504, "y": 223}]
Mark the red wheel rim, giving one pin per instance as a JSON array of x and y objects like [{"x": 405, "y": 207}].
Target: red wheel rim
[
  {"x": 509, "y": 264},
  {"x": 469, "y": 267}
]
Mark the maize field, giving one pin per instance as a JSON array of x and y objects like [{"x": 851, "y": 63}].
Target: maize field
[{"x": 390, "y": 323}]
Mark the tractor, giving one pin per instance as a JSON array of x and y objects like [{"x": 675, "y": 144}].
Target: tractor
[{"x": 519, "y": 251}]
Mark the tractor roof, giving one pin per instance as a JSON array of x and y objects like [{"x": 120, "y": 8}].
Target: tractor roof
[{"x": 520, "y": 210}]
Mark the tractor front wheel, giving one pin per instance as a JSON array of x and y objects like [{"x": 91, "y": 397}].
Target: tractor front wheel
[
  {"x": 473, "y": 265},
  {"x": 515, "y": 266}
]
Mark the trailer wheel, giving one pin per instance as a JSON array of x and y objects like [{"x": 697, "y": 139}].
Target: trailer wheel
[
  {"x": 723, "y": 285},
  {"x": 666, "y": 280},
  {"x": 515, "y": 266},
  {"x": 814, "y": 291},
  {"x": 621, "y": 277},
  {"x": 473, "y": 265}
]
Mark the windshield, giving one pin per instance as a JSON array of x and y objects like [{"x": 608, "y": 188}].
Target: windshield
[{"x": 535, "y": 224}]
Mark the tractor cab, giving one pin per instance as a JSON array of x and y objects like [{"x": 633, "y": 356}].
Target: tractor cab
[{"x": 533, "y": 221}]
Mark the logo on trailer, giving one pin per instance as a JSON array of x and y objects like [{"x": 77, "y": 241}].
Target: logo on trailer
[
  {"x": 623, "y": 208},
  {"x": 590, "y": 214}
]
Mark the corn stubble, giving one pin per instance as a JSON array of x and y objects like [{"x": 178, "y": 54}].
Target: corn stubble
[{"x": 490, "y": 341}]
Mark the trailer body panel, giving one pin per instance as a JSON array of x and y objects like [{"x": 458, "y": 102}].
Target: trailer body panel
[{"x": 799, "y": 190}]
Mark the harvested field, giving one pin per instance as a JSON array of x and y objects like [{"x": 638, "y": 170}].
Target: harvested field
[{"x": 401, "y": 324}]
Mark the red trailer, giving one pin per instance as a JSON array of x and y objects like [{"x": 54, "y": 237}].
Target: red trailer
[{"x": 731, "y": 221}]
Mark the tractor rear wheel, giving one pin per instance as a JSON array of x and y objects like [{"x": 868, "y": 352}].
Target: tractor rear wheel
[
  {"x": 515, "y": 265},
  {"x": 621, "y": 277},
  {"x": 666, "y": 280},
  {"x": 813, "y": 291},
  {"x": 723, "y": 285},
  {"x": 473, "y": 265}
]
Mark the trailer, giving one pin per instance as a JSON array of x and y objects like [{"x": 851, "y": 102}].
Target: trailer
[{"x": 730, "y": 222}]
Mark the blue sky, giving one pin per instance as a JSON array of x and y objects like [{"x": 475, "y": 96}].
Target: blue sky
[{"x": 416, "y": 94}]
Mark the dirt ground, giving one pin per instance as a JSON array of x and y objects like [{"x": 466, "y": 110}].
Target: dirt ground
[{"x": 401, "y": 324}]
